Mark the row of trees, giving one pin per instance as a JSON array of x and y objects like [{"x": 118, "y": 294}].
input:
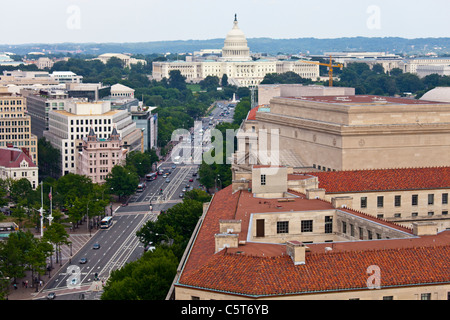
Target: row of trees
[
  {"x": 377, "y": 81},
  {"x": 22, "y": 252},
  {"x": 73, "y": 198}
]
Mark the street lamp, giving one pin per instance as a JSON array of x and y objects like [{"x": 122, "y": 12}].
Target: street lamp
[
  {"x": 218, "y": 178},
  {"x": 87, "y": 213}
]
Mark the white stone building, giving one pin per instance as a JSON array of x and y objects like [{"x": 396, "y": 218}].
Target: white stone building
[
  {"x": 119, "y": 90},
  {"x": 126, "y": 59},
  {"x": 16, "y": 164},
  {"x": 75, "y": 122},
  {"x": 236, "y": 63}
]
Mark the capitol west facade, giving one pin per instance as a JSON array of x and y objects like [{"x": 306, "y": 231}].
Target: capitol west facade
[{"x": 236, "y": 63}]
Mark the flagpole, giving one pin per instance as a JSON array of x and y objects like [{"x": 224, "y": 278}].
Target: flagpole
[
  {"x": 50, "y": 221},
  {"x": 50, "y": 217},
  {"x": 41, "y": 210}
]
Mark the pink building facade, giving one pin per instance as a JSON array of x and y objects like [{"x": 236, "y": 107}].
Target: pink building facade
[{"x": 96, "y": 157}]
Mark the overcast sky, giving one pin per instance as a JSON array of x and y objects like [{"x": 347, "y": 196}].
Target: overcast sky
[{"x": 55, "y": 21}]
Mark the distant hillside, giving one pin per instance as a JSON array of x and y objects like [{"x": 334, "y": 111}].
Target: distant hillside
[{"x": 264, "y": 45}]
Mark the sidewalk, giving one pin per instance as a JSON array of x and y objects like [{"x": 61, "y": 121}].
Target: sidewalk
[{"x": 79, "y": 237}]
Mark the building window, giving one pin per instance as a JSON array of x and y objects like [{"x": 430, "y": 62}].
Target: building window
[
  {"x": 431, "y": 199},
  {"x": 363, "y": 202},
  {"x": 380, "y": 201},
  {"x": 283, "y": 227},
  {"x": 445, "y": 198},
  {"x": 397, "y": 215},
  {"x": 352, "y": 230},
  {"x": 444, "y": 213},
  {"x": 414, "y": 199},
  {"x": 361, "y": 233},
  {"x": 328, "y": 224},
  {"x": 388, "y": 298},
  {"x": 344, "y": 227},
  {"x": 430, "y": 213},
  {"x": 414, "y": 214},
  {"x": 369, "y": 234},
  {"x": 425, "y": 296},
  {"x": 263, "y": 179},
  {"x": 398, "y": 201},
  {"x": 307, "y": 226}
]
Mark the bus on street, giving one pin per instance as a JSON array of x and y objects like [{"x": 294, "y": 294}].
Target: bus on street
[
  {"x": 141, "y": 187},
  {"x": 151, "y": 176},
  {"x": 106, "y": 222}
]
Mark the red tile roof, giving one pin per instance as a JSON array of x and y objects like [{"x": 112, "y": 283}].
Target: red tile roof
[
  {"x": 223, "y": 206},
  {"x": 252, "y": 113},
  {"x": 383, "y": 179},
  {"x": 333, "y": 271},
  {"x": 12, "y": 157},
  {"x": 258, "y": 269}
]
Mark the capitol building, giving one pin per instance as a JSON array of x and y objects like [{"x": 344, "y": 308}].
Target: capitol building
[{"x": 235, "y": 61}]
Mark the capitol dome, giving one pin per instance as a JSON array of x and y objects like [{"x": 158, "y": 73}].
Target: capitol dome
[
  {"x": 235, "y": 47},
  {"x": 439, "y": 94}
]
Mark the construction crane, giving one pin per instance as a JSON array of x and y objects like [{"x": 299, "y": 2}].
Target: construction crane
[{"x": 330, "y": 68}]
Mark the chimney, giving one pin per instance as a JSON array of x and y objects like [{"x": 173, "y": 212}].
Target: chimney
[
  {"x": 315, "y": 193},
  {"x": 226, "y": 240},
  {"x": 230, "y": 226},
  {"x": 424, "y": 228},
  {"x": 25, "y": 150},
  {"x": 342, "y": 202},
  {"x": 297, "y": 251}
]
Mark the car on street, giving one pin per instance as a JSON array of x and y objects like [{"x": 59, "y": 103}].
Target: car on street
[
  {"x": 167, "y": 180},
  {"x": 184, "y": 190},
  {"x": 191, "y": 180},
  {"x": 96, "y": 246},
  {"x": 149, "y": 247},
  {"x": 51, "y": 296},
  {"x": 174, "y": 166},
  {"x": 181, "y": 195},
  {"x": 83, "y": 260}
]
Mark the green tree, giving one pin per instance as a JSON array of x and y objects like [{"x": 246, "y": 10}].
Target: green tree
[
  {"x": 36, "y": 257},
  {"x": 140, "y": 162},
  {"x": 13, "y": 263},
  {"x": 177, "y": 80},
  {"x": 207, "y": 175},
  {"x": 76, "y": 210},
  {"x": 241, "y": 111},
  {"x": 224, "y": 81},
  {"x": 20, "y": 189},
  {"x": 71, "y": 186},
  {"x": 57, "y": 234},
  {"x": 4, "y": 188},
  {"x": 49, "y": 159},
  {"x": 148, "y": 278},
  {"x": 122, "y": 181},
  {"x": 210, "y": 83}
]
